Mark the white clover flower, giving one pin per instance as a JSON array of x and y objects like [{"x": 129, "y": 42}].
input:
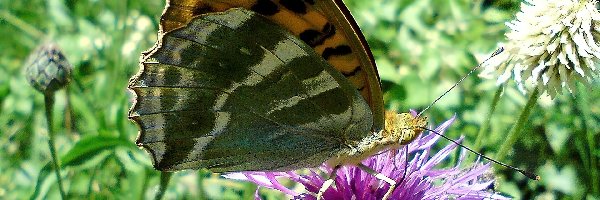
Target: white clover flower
[{"x": 551, "y": 44}]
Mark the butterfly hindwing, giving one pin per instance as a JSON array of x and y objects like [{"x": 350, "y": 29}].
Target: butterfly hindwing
[
  {"x": 325, "y": 25},
  {"x": 232, "y": 91}
]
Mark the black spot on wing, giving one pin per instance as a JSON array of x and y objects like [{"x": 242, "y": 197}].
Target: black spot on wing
[
  {"x": 296, "y": 6},
  {"x": 353, "y": 72},
  {"x": 315, "y": 38},
  {"x": 336, "y": 51},
  {"x": 265, "y": 7},
  {"x": 328, "y": 30},
  {"x": 311, "y": 37}
]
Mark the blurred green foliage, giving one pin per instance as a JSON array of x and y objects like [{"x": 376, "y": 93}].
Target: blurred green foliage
[{"x": 421, "y": 47}]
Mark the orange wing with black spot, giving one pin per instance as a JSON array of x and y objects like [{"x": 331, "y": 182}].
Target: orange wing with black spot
[{"x": 325, "y": 25}]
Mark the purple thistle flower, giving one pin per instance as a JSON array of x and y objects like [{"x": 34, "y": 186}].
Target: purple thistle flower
[{"x": 422, "y": 180}]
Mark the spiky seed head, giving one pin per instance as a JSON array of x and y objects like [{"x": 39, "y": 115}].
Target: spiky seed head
[{"x": 47, "y": 69}]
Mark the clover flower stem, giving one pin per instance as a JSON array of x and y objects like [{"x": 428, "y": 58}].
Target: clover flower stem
[
  {"x": 483, "y": 131},
  {"x": 165, "y": 177},
  {"x": 583, "y": 106},
  {"x": 49, "y": 101},
  {"x": 593, "y": 162},
  {"x": 515, "y": 131}
]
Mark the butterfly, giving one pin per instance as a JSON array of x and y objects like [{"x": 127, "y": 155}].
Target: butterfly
[{"x": 262, "y": 85}]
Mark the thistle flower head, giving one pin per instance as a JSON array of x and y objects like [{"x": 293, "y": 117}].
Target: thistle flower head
[
  {"x": 551, "y": 44},
  {"x": 423, "y": 179},
  {"x": 47, "y": 69}
]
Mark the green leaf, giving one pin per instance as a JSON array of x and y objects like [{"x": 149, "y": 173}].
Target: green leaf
[{"x": 87, "y": 148}]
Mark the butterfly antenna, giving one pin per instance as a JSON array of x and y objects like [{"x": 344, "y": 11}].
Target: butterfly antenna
[
  {"x": 528, "y": 174},
  {"x": 498, "y": 51}
]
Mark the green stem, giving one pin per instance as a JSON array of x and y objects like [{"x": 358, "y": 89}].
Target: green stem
[
  {"x": 515, "y": 131},
  {"x": 68, "y": 114},
  {"x": 164, "y": 182},
  {"x": 593, "y": 162},
  {"x": 486, "y": 124},
  {"x": 589, "y": 126},
  {"x": 49, "y": 101}
]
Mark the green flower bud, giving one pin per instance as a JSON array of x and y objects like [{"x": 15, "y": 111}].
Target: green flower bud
[{"x": 47, "y": 69}]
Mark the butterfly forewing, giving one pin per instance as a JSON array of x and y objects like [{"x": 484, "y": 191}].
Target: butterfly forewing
[
  {"x": 234, "y": 92},
  {"x": 325, "y": 25},
  {"x": 365, "y": 75}
]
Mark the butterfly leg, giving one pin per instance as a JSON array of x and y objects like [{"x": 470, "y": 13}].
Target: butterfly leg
[
  {"x": 380, "y": 177},
  {"x": 393, "y": 186},
  {"x": 328, "y": 182}
]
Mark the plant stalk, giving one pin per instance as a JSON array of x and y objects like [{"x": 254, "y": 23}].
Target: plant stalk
[
  {"x": 515, "y": 131},
  {"x": 49, "y": 104}
]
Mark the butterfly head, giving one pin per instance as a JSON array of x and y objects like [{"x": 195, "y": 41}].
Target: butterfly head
[{"x": 403, "y": 128}]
